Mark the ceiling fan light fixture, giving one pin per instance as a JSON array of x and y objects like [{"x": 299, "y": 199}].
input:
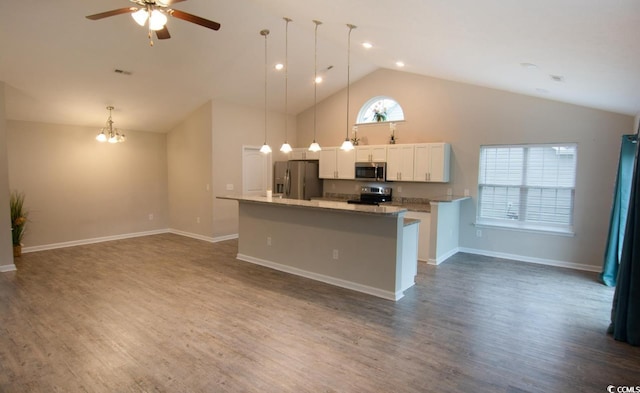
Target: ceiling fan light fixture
[
  {"x": 157, "y": 20},
  {"x": 140, "y": 16}
]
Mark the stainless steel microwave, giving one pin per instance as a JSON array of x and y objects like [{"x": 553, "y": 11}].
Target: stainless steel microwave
[{"x": 373, "y": 171}]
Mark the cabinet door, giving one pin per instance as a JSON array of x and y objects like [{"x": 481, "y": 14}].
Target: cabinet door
[
  {"x": 311, "y": 155},
  {"x": 432, "y": 162},
  {"x": 378, "y": 153},
  {"x": 400, "y": 162},
  {"x": 327, "y": 168},
  {"x": 363, "y": 154},
  {"x": 439, "y": 157},
  {"x": 346, "y": 164},
  {"x": 421, "y": 165}
]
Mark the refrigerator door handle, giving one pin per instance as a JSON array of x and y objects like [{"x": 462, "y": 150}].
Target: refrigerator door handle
[{"x": 287, "y": 182}]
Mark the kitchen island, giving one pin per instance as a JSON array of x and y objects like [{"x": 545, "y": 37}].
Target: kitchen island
[{"x": 371, "y": 249}]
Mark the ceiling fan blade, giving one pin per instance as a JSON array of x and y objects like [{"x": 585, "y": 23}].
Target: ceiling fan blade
[
  {"x": 194, "y": 19},
  {"x": 163, "y": 33},
  {"x": 112, "y": 13}
]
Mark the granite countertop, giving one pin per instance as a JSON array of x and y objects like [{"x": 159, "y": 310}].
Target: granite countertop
[
  {"x": 320, "y": 204},
  {"x": 411, "y": 204}
]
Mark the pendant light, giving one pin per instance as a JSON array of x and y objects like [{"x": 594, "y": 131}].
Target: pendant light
[
  {"x": 347, "y": 145},
  {"x": 286, "y": 147},
  {"x": 315, "y": 147},
  {"x": 265, "y": 149}
]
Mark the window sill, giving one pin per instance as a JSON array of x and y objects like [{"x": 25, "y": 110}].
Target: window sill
[{"x": 521, "y": 228}]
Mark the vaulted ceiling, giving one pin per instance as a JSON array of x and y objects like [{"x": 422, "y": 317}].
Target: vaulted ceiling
[{"x": 58, "y": 66}]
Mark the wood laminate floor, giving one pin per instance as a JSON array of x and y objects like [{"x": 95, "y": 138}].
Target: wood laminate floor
[{"x": 167, "y": 313}]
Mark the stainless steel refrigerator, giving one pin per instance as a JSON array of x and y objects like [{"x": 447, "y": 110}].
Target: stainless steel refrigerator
[{"x": 297, "y": 179}]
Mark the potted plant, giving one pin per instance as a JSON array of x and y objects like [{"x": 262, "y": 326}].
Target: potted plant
[{"x": 18, "y": 221}]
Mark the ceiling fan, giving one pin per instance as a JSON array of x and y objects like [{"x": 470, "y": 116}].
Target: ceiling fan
[{"x": 154, "y": 12}]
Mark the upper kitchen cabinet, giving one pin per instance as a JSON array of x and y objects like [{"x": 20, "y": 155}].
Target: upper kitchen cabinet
[
  {"x": 400, "y": 162},
  {"x": 337, "y": 164},
  {"x": 431, "y": 162},
  {"x": 371, "y": 153},
  {"x": 301, "y": 153}
]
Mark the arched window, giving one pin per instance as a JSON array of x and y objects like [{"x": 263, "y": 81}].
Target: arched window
[{"x": 379, "y": 109}]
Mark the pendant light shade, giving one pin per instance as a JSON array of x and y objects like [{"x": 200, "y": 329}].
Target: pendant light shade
[
  {"x": 347, "y": 145},
  {"x": 265, "y": 149},
  {"x": 286, "y": 147},
  {"x": 315, "y": 147}
]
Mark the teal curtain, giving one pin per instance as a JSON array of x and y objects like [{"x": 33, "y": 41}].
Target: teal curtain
[
  {"x": 625, "y": 311},
  {"x": 619, "y": 211}
]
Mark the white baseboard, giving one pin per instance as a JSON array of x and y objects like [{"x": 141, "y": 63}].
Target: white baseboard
[
  {"x": 81, "y": 242},
  {"x": 7, "y": 268},
  {"x": 444, "y": 257},
  {"x": 202, "y": 237},
  {"x": 539, "y": 261},
  {"x": 321, "y": 277}
]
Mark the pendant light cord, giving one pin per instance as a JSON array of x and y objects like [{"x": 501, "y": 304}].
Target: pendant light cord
[
  {"x": 286, "y": 79},
  {"x": 315, "y": 80},
  {"x": 265, "y": 33},
  {"x": 351, "y": 27}
]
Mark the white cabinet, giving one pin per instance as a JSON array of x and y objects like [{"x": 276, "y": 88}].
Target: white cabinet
[
  {"x": 337, "y": 164},
  {"x": 432, "y": 162},
  {"x": 372, "y": 153},
  {"x": 301, "y": 153},
  {"x": 424, "y": 233},
  {"x": 400, "y": 162}
]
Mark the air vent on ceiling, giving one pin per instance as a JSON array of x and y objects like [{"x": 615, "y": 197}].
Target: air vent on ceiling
[{"x": 123, "y": 72}]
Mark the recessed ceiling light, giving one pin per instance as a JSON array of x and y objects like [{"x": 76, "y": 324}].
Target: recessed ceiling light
[
  {"x": 367, "y": 45},
  {"x": 557, "y": 78},
  {"x": 400, "y": 63},
  {"x": 530, "y": 66},
  {"x": 318, "y": 79},
  {"x": 279, "y": 66}
]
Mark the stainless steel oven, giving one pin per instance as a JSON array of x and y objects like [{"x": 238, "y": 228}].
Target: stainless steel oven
[{"x": 373, "y": 171}]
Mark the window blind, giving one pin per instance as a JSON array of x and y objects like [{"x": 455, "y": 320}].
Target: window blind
[{"x": 527, "y": 186}]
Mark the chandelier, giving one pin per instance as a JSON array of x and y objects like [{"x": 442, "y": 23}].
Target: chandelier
[{"x": 108, "y": 133}]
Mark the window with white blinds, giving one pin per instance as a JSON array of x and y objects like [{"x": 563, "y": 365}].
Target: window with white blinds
[{"x": 527, "y": 186}]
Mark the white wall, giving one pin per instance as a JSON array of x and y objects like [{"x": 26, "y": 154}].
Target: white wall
[
  {"x": 234, "y": 126},
  {"x": 6, "y": 243},
  {"x": 78, "y": 189},
  {"x": 469, "y": 116}
]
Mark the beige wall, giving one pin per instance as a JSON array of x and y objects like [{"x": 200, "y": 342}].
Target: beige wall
[
  {"x": 233, "y": 127},
  {"x": 189, "y": 173},
  {"x": 78, "y": 189},
  {"x": 6, "y": 246},
  {"x": 468, "y": 116}
]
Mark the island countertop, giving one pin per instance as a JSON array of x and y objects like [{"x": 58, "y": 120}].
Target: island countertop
[{"x": 319, "y": 204}]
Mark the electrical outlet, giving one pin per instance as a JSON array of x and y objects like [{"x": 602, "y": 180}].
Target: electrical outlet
[
  {"x": 466, "y": 192},
  {"x": 335, "y": 254},
  {"x": 197, "y": 220},
  {"x": 399, "y": 189},
  {"x": 229, "y": 187},
  {"x": 150, "y": 216},
  {"x": 207, "y": 187},
  {"x": 478, "y": 232},
  {"x": 268, "y": 240}
]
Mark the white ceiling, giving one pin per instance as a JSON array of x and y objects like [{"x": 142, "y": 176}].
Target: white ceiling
[{"x": 59, "y": 66}]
